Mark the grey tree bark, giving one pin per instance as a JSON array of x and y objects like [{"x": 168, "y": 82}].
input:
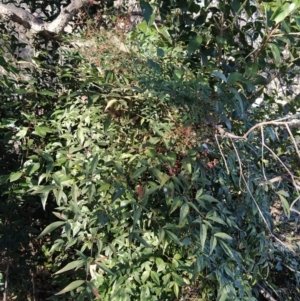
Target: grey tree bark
[{"x": 38, "y": 26}]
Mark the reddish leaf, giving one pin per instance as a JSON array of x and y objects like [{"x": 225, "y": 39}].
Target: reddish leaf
[{"x": 140, "y": 191}]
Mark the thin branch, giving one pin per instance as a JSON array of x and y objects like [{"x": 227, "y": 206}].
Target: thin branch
[
  {"x": 225, "y": 162},
  {"x": 284, "y": 166},
  {"x": 293, "y": 139},
  {"x": 5, "y": 294},
  {"x": 286, "y": 34},
  {"x": 232, "y": 137},
  {"x": 225, "y": 134},
  {"x": 33, "y": 286},
  {"x": 262, "y": 153},
  {"x": 39, "y": 26},
  {"x": 294, "y": 202},
  {"x": 264, "y": 293}
]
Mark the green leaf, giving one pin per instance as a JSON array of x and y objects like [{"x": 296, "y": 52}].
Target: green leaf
[
  {"x": 220, "y": 76},
  {"x": 192, "y": 205},
  {"x": 203, "y": 235},
  {"x": 120, "y": 191},
  {"x": 105, "y": 268},
  {"x": 283, "y": 193},
  {"x": 275, "y": 52},
  {"x": 70, "y": 266},
  {"x": 199, "y": 194},
  {"x": 47, "y": 157},
  {"x": 50, "y": 228},
  {"x": 15, "y": 176},
  {"x": 60, "y": 215},
  {"x": 110, "y": 103},
  {"x": 44, "y": 197},
  {"x": 91, "y": 192},
  {"x": 208, "y": 198},
  {"x": 42, "y": 131},
  {"x": 176, "y": 203},
  {"x": 94, "y": 164},
  {"x": 22, "y": 132},
  {"x": 223, "y": 235},
  {"x": 150, "y": 152},
  {"x": 176, "y": 289},
  {"x": 140, "y": 239},
  {"x": 145, "y": 276},
  {"x": 150, "y": 191},
  {"x": 73, "y": 285},
  {"x": 171, "y": 157},
  {"x": 147, "y": 12},
  {"x": 107, "y": 123},
  {"x": 155, "y": 277},
  {"x": 227, "y": 249},
  {"x": 138, "y": 172},
  {"x": 184, "y": 210},
  {"x": 56, "y": 180},
  {"x": 164, "y": 32},
  {"x": 284, "y": 10},
  {"x": 223, "y": 297},
  {"x": 213, "y": 243},
  {"x": 93, "y": 288},
  {"x": 234, "y": 77},
  {"x": 215, "y": 219},
  {"x": 43, "y": 189},
  {"x": 145, "y": 293},
  {"x": 136, "y": 215},
  {"x": 194, "y": 44},
  {"x": 178, "y": 279},
  {"x": 161, "y": 265},
  {"x": 80, "y": 135},
  {"x": 174, "y": 237},
  {"x": 31, "y": 169},
  {"x": 285, "y": 205},
  {"x": 47, "y": 92},
  {"x": 187, "y": 164},
  {"x": 74, "y": 193}
]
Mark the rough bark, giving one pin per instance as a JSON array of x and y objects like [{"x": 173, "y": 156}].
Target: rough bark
[{"x": 38, "y": 26}]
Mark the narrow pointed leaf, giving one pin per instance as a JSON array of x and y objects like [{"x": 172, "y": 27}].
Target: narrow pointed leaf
[
  {"x": 155, "y": 277},
  {"x": 70, "y": 266},
  {"x": 73, "y": 285},
  {"x": 213, "y": 243},
  {"x": 94, "y": 164},
  {"x": 105, "y": 268},
  {"x": 174, "y": 237},
  {"x": 223, "y": 235},
  {"x": 15, "y": 176},
  {"x": 50, "y": 228},
  {"x": 203, "y": 235},
  {"x": 184, "y": 210},
  {"x": 138, "y": 172}
]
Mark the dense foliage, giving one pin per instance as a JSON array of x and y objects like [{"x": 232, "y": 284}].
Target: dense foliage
[{"x": 116, "y": 177}]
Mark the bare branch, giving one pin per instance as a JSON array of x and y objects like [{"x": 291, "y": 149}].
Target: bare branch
[
  {"x": 225, "y": 134},
  {"x": 39, "y": 26}
]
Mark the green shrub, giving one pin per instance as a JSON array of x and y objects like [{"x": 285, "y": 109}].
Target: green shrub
[{"x": 148, "y": 203}]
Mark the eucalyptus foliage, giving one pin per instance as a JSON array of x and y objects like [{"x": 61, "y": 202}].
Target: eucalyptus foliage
[{"x": 115, "y": 173}]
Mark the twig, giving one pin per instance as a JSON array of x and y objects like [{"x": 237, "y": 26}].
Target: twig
[
  {"x": 294, "y": 141},
  {"x": 5, "y": 294},
  {"x": 264, "y": 292},
  {"x": 254, "y": 200},
  {"x": 284, "y": 166},
  {"x": 225, "y": 162},
  {"x": 293, "y": 203},
  {"x": 33, "y": 286},
  {"x": 225, "y": 134},
  {"x": 262, "y": 153},
  {"x": 291, "y": 269}
]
